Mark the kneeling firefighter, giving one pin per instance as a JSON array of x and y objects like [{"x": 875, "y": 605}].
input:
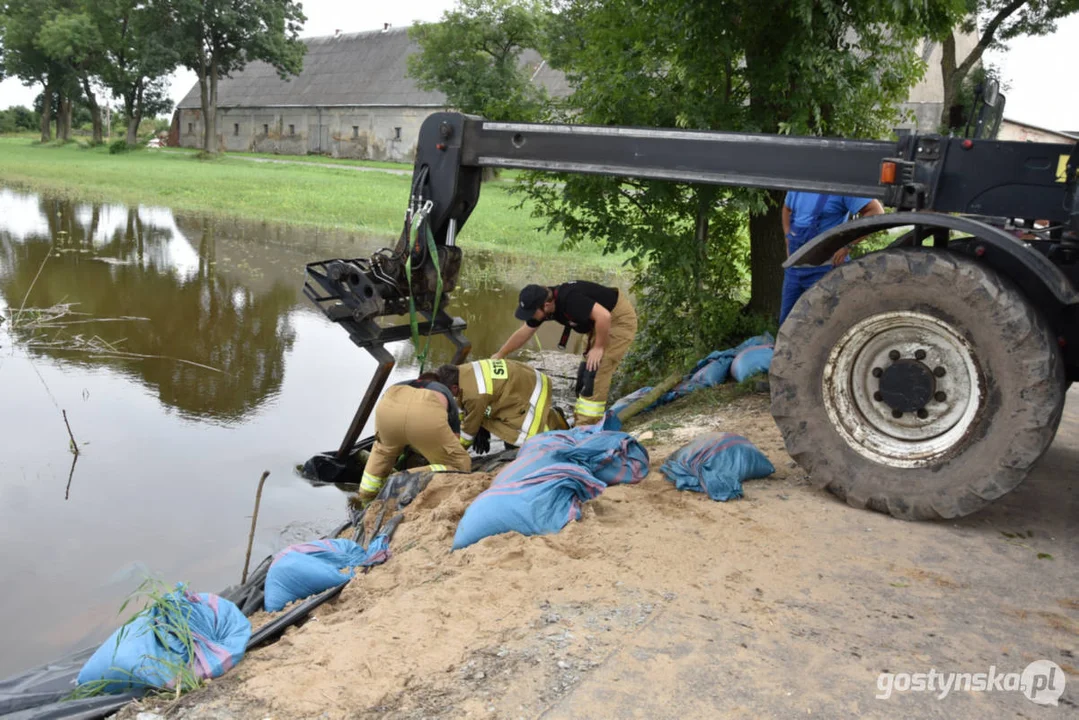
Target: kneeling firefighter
[
  {"x": 508, "y": 399},
  {"x": 421, "y": 414}
]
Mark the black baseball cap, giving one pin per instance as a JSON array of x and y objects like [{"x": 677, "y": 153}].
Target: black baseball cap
[{"x": 531, "y": 299}]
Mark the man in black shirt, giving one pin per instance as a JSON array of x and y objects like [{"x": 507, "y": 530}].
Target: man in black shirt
[{"x": 603, "y": 313}]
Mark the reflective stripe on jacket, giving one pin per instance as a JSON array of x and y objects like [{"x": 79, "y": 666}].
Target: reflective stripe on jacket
[{"x": 507, "y": 397}]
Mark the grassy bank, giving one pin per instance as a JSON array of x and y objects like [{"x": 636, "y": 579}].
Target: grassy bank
[
  {"x": 297, "y": 194},
  {"x": 326, "y": 160}
]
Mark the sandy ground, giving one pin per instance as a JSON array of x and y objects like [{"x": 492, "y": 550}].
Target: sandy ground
[{"x": 664, "y": 604}]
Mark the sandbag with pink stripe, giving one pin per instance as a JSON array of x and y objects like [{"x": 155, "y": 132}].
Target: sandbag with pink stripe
[
  {"x": 554, "y": 474},
  {"x": 717, "y": 464},
  {"x": 149, "y": 651}
]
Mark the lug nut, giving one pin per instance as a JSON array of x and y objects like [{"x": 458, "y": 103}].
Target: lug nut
[
  {"x": 939, "y": 371},
  {"x": 919, "y": 355},
  {"x": 877, "y": 372},
  {"x": 940, "y": 396},
  {"x": 922, "y": 413},
  {"x": 878, "y": 396},
  {"x": 894, "y": 355},
  {"x": 897, "y": 414}
]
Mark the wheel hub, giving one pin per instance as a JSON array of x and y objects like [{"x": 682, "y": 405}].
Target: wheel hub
[
  {"x": 902, "y": 388},
  {"x": 907, "y": 386}
]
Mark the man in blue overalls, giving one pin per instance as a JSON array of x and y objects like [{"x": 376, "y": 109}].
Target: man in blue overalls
[{"x": 806, "y": 215}]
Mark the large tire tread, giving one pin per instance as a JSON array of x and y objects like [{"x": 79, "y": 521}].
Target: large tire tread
[{"x": 1025, "y": 397}]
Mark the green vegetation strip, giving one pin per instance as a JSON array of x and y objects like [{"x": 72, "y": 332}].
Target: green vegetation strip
[{"x": 294, "y": 194}]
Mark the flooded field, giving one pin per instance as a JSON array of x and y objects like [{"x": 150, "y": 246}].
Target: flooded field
[{"x": 187, "y": 361}]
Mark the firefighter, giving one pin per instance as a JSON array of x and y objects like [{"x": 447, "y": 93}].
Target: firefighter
[
  {"x": 422, "y": 414},
  {"x": 603, "y": 313},
  {"x": 509, "y": 399}
]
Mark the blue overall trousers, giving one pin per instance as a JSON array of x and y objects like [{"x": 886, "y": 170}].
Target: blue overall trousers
[{"x": 796, "y": 280}]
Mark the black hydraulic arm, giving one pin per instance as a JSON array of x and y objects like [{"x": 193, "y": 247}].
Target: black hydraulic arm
[{"x": 927, "y": 172}]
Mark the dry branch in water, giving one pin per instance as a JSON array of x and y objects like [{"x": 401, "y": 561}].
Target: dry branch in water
[
  {"x": 74, "y": 445},
  {"x": 57, "y": 317}
]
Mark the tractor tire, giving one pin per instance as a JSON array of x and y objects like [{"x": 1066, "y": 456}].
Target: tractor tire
[{"x": 916, "y": 382}]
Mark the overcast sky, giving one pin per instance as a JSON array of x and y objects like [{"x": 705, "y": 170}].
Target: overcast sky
[{"x": 1036, "y": 68}]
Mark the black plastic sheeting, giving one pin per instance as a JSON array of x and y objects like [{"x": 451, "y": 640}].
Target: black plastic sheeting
[{"x": 38, "y": 693}]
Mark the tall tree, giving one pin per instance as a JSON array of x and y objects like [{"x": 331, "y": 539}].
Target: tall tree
[
  {"x": 215, "y": 38},
  {"x": 801, "y": 67},
  {"x": 20, "y": 23},
  {"x": 138, "y": 55},
  {"x": 72, "y": 39},
  {"x": 473, "y": 56},
  {"x": 1000, "y": 21}
]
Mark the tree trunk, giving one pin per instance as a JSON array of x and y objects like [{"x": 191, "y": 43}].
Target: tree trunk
[
  {"x": 95, "y": 112},
  {"x": 204, "y": 102},
  {"x": 950, "y": 79},
  {"x": 767, "y": 253},
  {"x": 133, "y": 129},
  {"x": 767, "y": 246},
  {"x": 64, "y": 118},
  {"x": 46, "y": 112},
  {"x": 208, "y": 93},
  {"x": 134, "y": 116},
  {"x": 706, "y": 196},
  {"x": 213, "y": 104},
  {"x": 132, "y": 136}
]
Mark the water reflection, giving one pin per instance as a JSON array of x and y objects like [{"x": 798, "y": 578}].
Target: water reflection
[
  {"x": 172, "y": 452},
  {"x": 111, "y": 261}
]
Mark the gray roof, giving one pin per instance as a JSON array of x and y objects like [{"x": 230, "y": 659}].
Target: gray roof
[{"x": 367, "y": 68}]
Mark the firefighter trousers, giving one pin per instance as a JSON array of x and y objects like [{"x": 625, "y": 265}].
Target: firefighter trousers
[
  {"x": 589, "y": 410},
  {"x": 408, "y": 416}
]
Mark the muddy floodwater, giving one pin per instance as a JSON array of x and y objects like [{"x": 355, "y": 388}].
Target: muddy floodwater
[{"x": 187, "y": 361}]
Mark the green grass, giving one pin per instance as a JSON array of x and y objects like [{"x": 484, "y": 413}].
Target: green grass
[
  {"x": 368, "y": 202},
  {"x": 170, "y": 625},
  {"x": 505, "y": 175},
  {"x": 317, "y": 159}
]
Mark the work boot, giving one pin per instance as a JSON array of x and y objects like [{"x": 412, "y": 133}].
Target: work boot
[{"x": 364, "y": 498}]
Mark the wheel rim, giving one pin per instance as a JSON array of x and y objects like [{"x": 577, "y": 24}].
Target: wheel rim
[{"x": 903, "y": 389}]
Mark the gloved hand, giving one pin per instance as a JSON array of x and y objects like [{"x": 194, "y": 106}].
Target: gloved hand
[
  {"x": 482, "y": 442},
  {"x": 585, "y": 380}
]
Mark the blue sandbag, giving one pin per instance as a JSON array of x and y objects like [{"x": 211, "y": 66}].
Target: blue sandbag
[
  {"x": 306, "y": 569},
  {"x": 717, "y": 463},
  {"x": 134, "y": 656},
  {"x": 709, "y": 371},
  {"x": 554, "y": 473},
  {"x": 752, "y": 361}
]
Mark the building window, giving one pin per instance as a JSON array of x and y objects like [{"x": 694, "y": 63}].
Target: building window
[
  {"x": 265, "y": 129},
  {"x": 355, "y": 132},
  {"x": 291, "y": 129},
  {"x": 189, "y": 130},
  {"x": 235, "y": 128},
  {"x": 397, "y": 133}
]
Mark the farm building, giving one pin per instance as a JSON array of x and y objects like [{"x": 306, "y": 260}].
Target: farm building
[{"x": 352, "y": 99}]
